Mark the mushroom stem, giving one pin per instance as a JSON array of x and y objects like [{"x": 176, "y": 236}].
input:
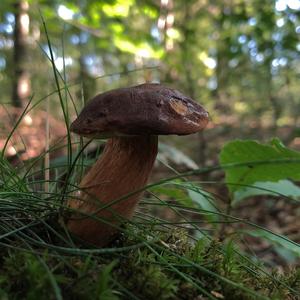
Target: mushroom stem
[{"x": 124, "y": 167}]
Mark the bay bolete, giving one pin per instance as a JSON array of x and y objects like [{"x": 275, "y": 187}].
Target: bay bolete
[{"x": 131, "y": 118}]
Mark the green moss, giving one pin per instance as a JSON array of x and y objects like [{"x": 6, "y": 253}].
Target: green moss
[
  {"x": 169, "y": 268},
  {"x": 23, "y": 277}
]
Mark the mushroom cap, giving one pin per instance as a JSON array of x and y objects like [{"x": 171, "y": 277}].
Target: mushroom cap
[{"x": 146, "y": 109}]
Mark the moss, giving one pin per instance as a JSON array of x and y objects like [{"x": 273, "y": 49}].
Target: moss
[
  {"x": 23, "y": 277},
  {"x": 142, "y": 274},
  {"x": 170, "y": 268}
]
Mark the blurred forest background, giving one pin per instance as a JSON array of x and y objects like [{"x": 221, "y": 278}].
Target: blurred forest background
[{"x": 238, "y": 58}]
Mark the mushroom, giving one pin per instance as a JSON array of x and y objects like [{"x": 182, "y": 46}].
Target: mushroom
[{"x": 132, "y": 118}]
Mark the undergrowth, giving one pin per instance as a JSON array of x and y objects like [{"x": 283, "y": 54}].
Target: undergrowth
[
  {"x": 166, "y": 267},
  {"x": 152, "y": 259}
]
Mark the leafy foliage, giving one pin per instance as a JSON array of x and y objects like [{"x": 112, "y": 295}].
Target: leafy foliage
[
  {"x": 253, "y": 162},
  {"x": 282, "y": 188}
]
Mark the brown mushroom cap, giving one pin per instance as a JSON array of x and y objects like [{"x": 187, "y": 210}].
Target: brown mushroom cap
[{"x": 146, "y": 109}]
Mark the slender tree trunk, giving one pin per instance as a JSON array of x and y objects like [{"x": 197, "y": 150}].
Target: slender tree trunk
[
  {"x": 220, "y": 93},
  {"x": 88, "y": 83},
  {"x": 274, "y": 104},
  {"x": 85, "y": 92},
  {"x": 21, "y": 79},
  {"x": 188, "y": 66}
]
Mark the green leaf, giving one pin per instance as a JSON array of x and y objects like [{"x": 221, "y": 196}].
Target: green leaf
[
  {"x": 204, "y": 200},
  {"x": 118, "y": 9},
  {"x": 258, "y": 163},
  {"x": 276, "y": 239},
  {"x": 289, "y": 256},
  {"x": 170, "y": 191},
  {"x": 281, "y": 188},
  {"x": 169, "y": 153}
]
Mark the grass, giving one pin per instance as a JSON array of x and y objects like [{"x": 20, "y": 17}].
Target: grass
[
  {"x": 153, "y": 257},
  {"x": 146, "y": 264}
]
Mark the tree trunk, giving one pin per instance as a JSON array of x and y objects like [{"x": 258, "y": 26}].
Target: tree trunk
[
  {"x": 21, "y": 79},
  {"x": 190, "y": 81}
]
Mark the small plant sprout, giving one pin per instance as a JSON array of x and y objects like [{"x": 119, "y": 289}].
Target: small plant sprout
[{"x": 132, "y": 118}]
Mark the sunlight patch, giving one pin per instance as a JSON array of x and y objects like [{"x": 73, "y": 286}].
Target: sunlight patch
[{"x": 65, "y": 13}]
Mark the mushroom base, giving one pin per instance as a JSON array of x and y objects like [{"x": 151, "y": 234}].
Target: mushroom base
[{"x": 102, "y": 205}]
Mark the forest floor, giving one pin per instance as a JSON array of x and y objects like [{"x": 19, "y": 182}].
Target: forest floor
[{"x": 278, "y": 215}]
